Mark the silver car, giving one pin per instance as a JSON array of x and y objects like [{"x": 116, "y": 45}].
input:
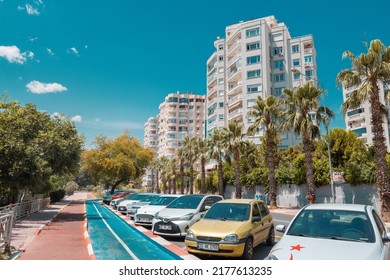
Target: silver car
[
  {"x": 333, "y": 232},
  {"x": 133, "y": 208}
]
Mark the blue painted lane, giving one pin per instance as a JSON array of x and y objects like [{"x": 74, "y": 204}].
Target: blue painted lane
[{"x": 113, "y": 239}]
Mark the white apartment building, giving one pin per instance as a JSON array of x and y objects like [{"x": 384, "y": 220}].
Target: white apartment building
[
  {"x": 151, "y": 133},
  {"x": 179, "y": 115},
  {"x": 359, "y": 120},
  {"x": 256, "y": 57}
]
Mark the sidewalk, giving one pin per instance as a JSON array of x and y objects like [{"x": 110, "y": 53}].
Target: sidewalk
[{"x": 55, "y": 233}]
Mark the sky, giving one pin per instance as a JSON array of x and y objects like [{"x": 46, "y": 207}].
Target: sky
[{"x": 108, "y": 65}]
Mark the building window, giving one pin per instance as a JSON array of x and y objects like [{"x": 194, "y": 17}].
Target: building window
[
  {"x": 278, "y": 51},
  {"x": 220, "y": 93},
  {"x": 278, "y": 64},
  {"x": 308, "y": 59},
  {"x": 220, "y": 47},
  {"x": 277, "y": 36},
  {"x": 309, "y": 74},
  {"x": 220, "y": 69},
  {"x": 220, "y": 117},
  {"x": 355, "y": 112},
  {"x": 253, "y": 74},
  {"x": 254, "y": 88},
  {"x": 360, "y": 131},
  {"x": 220, "y": 81},
  {"x": 296, "y": 62},
  {"x": 279, "y": 77},
  {"x": 253, "y": 46},
  {"x": 278, "y": 91},
  {"x": 253, "y": 59},
  {"x": 220, "y": 104},
  {"x": 297, "y": 76},
  {"x": 220, "y": 58},
  {"x": 295, "y": 48},
  {"x": 250, "y": 102},
  {"x": 252, "y": 32}
]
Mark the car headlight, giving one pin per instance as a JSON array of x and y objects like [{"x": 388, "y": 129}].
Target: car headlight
[
  {"x": 231, "y": 238},
  {"x": 186, "y": 217},
  {"x": 271, "y": 258},
  {"x": 190, "y": 234},
  {"x": 157, "y": 216}
]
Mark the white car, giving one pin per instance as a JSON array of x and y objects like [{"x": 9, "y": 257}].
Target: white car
[
  {"x": 145, "y": 214},
  {"x": 183, "y": 212},
  {"x": 133, "y": 208},
  {"x": 122, "y": 206},
  {"x": 333, "y": 232}
]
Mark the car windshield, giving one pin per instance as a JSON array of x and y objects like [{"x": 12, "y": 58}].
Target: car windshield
[
  {"x": 130, "y": 196},
  {"x": 186, "y": 202},
  {"x": 163, "y": 200},
  {"x": 149, "y": 198},
  {"x": 333, "y": 224},
  {"x": 139, "y": 196},
  {"x": 229, "y": 211}
]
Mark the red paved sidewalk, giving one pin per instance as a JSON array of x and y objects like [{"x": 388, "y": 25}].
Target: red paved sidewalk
[{"x": 62, "y": 238}]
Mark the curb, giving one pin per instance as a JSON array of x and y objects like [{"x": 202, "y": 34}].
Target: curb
[
  {"x": 160, "y": 240},
  {"x": 91, "y": 254}
]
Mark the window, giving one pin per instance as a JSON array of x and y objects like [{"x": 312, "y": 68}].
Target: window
[
  {"x": 263, "y": 210},
  {"x": 278, "y": 91},
  {"x": 253, "y": 59},
  {"x": 355, "y": 112},
  {"x": 277, "y": 36},
  {"x": 250, "y": 119},
  {"x": 279, "y": 77},
  {"x": 309, "y": 74},
  {"x": 296, "y": 62},
  {"x": 254, "y": 88},
  {"x": 253, "y": 74},
  {"x": 220, "y": 47},
  {"x": 250, "y": 102},
  {"x": 220, "y": 117},
  {"x": 278, "y": 51},
  {"x": 220, "y": 104},
  {"x": 278, "y": 64},
  {"x": 295, "y": 48},
  {"x": 220, "y": 69},
  {"x": 255, "y": 210},
  {"x": 360, "y": 131},
  {"x": 220, "y": 81},
  {"x": 253, "y": 46},
  {"x": 220, "y": 58},
  {"x": 308, "y": 59},
  {"x": 297, "y": 76},
  {"x": 220, "y": 93},
  {"x": 252, "y": 32}
]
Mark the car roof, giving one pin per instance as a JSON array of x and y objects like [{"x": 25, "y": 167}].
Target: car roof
[
  {"x": 238, "y": 200},
  {"x": 171, "y": 195},
  {"x": 337, "y": 206}
]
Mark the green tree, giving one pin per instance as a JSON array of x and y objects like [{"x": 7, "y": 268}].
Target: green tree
[
  {"x": 202, "y": 156},
  {"x": 180, "y": 155},
  {"x": 301, "y": 104},
  {"x": 190, "y": 154},
  {"x": 216, "y": 148},
  {"x": 367, "y": 71},
  {"x": 266, "y": 114},
  {"x": 116, "y": 161},
  {"x": 34, "y": 147}
]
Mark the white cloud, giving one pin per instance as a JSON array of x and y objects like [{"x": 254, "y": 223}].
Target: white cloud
[
  {"x": 50, "y": 52},
  {"x": 13, "y": 54},
  {"x": 31, "y": 10},
  {"x": 73, "y": 50},
  {"x": 77, "y": 118},
  {"x": 41, "y": 88}
]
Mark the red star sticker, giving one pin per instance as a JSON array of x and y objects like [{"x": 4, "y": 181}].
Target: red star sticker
[{"x": 296, "y": 247}]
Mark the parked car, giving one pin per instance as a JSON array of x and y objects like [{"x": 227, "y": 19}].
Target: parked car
[
  {"x": 119, "y": 195},
  {"x": 145, "y": 214},
  {"x": 108, "y": 196},
  {"x": 232, "y": 228},
  {"x": 182, "y": 213},
  {"x": 133, "y": 208},
  {"x": 114, "y": 202},
  {"x": 333, "y": 232},
  {"x": 122, "y": 206}
]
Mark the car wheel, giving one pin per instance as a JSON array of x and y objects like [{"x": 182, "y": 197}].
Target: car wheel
[
  {"x": 248, "y": 250},
  {"x": 271, "y": 237}
]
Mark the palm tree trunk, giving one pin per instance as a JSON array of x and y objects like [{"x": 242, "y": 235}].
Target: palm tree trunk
[
  {"x": 221, "y": 189},
  {"x": 191, "y": 178},
  {"x": 157, "y": 181},
  {"x": 237, "y": 172},
  {"x": 182, "y": 179},
  {"x": 271, "y": 173},
  {"x": 203, "y": 176},
  {"x": 379, "y": 140},
  {"x": 311, "y": 196}
]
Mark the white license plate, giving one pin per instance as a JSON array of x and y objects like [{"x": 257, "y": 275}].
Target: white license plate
[
  {"x": 144, "y": 220},
  {"x": 208, "y": 247},
  {"x": 165, "y": 227}
]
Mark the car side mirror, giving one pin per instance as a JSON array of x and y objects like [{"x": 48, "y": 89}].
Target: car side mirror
[
  {"x": 206, "y": 208},
  {"x": 202, "y": 215},
  {"x": 387, "y": 238},
  {"x": 280, "y": 228},
  {"x": 256, "y": 219}
]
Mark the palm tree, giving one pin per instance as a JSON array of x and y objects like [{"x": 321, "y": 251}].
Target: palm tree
[
  {"x": 162, "y": 169},
  {"x": 215, "y": 148},
  {"x": 190, "y": 154},
  {"x": 181, "y": 156},
  {"x": 367, "y": 70},
  {"x": 232, "y": 140},
  {"x": 172, "y": 176},
  {"x": 202, "y": 155},
  {"x": 267, "y": 115},
  {"x": 303, "y": 115}
]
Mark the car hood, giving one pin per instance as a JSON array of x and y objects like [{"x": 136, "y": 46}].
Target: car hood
[
  {"x": 139, "y": 204},
  {"x": 127, "y": 202},
  {"x": 307, "y": 248},
  {"x": 175, "y": 212},
  {"x": 217, "y": 228},
  {"x": 150, "y": 209}
]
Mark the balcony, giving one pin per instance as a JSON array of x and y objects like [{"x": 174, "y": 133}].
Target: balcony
[
  {"x": 235, "y": 113},
  {"x": 235, "y": 88},
  {"x": 234, "y": 49},
  {"x": 235, "y": 102},
  {"x": 211, "y": 81},
  {"x": 212, "y": 94},
  {"x": 232, "y": 37}
]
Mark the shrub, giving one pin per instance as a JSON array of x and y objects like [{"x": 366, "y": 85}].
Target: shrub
[{"x": 57, "y": 195}]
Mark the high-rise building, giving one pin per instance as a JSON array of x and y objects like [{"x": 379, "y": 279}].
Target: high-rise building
[
  {"x": 359, "y": 120},
  {"x": 179, "y": 115},
  {"x": 256, "y": 58},
  {"x": 151, "y": 133}
]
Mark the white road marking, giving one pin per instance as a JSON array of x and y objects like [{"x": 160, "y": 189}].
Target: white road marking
[{"x": 116, "y": 236}]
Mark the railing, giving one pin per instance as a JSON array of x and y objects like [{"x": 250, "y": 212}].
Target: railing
[
  {"x": 25, "y": 208},
  {"x": 6, "y": 222}
]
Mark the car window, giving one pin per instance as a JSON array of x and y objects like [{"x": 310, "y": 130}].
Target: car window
[
  {"x": 186, "y": 202},
  {"x": 255, "y": 210},
  {"x": 208, "y": 202},
  {"x": 263, "y": 209},
  {"x": 163, "y": 200},
  {"x": 379, "y": 224},
  {"x": 229, "y": 211}
]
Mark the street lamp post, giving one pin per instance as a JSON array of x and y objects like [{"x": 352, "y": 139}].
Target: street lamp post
[{"x": 297, "y": 71}]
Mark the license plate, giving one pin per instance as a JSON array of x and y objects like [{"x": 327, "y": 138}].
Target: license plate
[
  {"x": 208, "y": 247},
  {"x": 144, "y": 220},
  {"x": 165, "y": 227}
]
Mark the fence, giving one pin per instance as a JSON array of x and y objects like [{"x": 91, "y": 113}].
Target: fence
[{"x": 9, "y": 214}]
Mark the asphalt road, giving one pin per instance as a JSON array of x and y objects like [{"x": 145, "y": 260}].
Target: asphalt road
[{"x": 260, "y": 252}]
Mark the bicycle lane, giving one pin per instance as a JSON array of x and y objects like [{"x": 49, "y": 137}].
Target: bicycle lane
[{"x": 113, "y": 239}]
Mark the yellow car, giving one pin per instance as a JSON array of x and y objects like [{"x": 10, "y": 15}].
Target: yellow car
[{"x": 232, "y": 228}]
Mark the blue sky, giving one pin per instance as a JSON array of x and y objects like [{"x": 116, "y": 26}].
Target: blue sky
[{"x": 109, "y": 64}]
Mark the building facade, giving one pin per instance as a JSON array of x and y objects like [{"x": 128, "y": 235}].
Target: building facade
[
  {"x": 359, "y": 120},
  {"x": 256, "y": 58}
]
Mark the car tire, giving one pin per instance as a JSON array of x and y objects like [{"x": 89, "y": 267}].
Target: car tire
[
  {"x": 271, "y": 237},
  {"x": 248, "y": 250}
]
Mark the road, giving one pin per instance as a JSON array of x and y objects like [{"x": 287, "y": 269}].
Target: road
[{"x": 260, "y": 252}]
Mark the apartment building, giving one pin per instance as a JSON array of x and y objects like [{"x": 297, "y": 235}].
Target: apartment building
[
  {"x": 151, "y": 133},
  {"x": 256, "y": 58},
  {"x": 179, "y": 115},
  {"x": 359, "y": 120}
]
